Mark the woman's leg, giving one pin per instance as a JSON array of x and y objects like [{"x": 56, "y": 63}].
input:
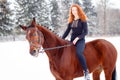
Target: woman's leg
[{"x": 80, "y": 45}]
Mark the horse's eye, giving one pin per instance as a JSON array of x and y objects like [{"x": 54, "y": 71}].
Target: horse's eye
[{"x": 34, "y": 34}]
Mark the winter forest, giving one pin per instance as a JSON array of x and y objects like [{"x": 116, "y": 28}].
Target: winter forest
[{"x": 103, "y": 20}]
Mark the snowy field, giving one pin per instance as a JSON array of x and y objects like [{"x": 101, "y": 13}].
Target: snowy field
[{"x": 17, "y": 64}]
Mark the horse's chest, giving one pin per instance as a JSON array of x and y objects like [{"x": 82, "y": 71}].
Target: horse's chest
[{"x": 55, "y": 71}]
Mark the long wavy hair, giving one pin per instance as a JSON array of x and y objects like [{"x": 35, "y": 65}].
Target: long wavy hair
[{"x": 81, "y": 13}]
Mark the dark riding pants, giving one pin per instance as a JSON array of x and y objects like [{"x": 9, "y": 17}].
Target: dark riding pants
[{"x": 80, "y": 45}]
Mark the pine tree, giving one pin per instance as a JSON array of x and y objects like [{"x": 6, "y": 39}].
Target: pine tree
[
  {"x": 6, "y": 21},
  {"x": 76, "y": 2},
  {"x": 28, "y": 9},
  {"x": 89, "y": 10},
  {"x": 64, "y": 6},
  {"x": 54, "y": 14}
]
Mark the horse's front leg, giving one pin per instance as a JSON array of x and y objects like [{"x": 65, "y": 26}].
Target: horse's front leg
[{"x": 68, "y": 78}]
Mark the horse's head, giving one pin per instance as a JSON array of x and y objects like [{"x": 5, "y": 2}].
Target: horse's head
[{"x": 34, "y": 37}]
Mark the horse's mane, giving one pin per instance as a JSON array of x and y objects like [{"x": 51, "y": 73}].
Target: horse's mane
[
  {"x": 52, "y": 32},
  {"x": 49, "y": 30}
]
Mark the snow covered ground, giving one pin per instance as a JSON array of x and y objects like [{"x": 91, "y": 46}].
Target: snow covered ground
[{"x": 17, "y": 64}]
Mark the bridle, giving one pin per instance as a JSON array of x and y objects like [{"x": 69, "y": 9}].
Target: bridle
[{"x": 40, "y": 41}]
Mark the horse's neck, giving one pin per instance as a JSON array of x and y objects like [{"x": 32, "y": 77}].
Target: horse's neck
[{"x": 50, "y": 39}]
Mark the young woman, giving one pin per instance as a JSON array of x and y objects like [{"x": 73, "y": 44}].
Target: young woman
[{"x": 77, "y": 22}]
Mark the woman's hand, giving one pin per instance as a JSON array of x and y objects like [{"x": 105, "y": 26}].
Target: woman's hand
[{"x": 75, "y": 40}]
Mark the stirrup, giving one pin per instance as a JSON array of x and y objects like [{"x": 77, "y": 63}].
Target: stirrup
[{"x": 86, "y": 74}]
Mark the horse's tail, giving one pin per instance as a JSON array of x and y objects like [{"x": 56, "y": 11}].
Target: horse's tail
[{"x": 114, "y": 74}]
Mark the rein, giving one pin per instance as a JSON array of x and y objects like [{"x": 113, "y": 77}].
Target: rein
[{"x": 58, "y": 47}]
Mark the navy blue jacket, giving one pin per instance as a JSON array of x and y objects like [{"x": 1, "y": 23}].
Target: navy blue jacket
[{"x": 80, "y": 31}]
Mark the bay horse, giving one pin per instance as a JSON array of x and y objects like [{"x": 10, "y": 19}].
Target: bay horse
[{"x": 64, "y": 65}]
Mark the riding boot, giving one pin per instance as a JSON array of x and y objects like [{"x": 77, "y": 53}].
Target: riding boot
[{"x": 86, "y": 75}]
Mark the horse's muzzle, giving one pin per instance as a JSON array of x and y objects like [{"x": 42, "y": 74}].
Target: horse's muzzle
[{"x": 34, "y": 52}]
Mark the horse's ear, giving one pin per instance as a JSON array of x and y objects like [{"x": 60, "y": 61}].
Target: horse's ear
[
  {"x": 23, "y": 27},
  {"x": 33, "y": 21}
]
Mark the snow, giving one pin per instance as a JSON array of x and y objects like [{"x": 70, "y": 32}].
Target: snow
[{"x": 17, "y": 64}]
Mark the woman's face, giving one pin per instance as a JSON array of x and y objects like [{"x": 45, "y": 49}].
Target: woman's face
[{"x": 74, "y": 11}]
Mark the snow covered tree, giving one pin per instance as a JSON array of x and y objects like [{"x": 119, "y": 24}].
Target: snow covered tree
[
  {"x": 76, "y": 2},
  {"x": 54, "y": 13},
  {"x": 89, "y": 10},
  {"x": 64, "y": 6},
  {"x": 28, "y": 9},
  {"x": 6, "y": 21}
]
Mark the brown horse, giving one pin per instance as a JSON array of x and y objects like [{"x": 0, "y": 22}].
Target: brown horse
[{"x": 64, "y": 65}]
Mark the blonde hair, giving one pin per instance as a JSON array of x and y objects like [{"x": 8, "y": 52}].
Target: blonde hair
[{"x": 81, "y": 13}]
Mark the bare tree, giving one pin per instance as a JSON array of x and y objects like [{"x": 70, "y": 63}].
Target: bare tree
[
  {"x": 102, "y": 15},
  {"x": 104, "y": 4}
]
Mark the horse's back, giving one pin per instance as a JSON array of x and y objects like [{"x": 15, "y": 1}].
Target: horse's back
[{"x": 103, "y": 46}]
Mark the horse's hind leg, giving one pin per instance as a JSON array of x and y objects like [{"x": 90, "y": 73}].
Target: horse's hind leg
[
  {"x": 96, "y": 73},
  {"x": 108, "y": 74}
]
